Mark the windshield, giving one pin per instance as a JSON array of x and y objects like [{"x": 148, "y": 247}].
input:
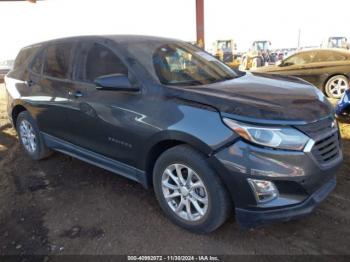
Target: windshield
[
  {"x": 264, "y": 45},
  {"x": 338, "y": 41},
  {"x": 224, "y": 45},
  {"x": 301, "y": 58},
  {"x": 178, "y": 64}
]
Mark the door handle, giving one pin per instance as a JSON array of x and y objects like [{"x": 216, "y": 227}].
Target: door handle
[{"x": 76, "y": 94}]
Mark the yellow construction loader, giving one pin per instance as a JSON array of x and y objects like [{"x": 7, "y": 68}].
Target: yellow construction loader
[
  {"x": 336, "y": 42},
  {"x": 226, "y": 51},
  {"x": 258, "y": 55}
]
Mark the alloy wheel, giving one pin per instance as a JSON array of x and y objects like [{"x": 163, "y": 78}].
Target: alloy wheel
[
  {"x": 337, "y": 87},
  {"x": 28, "y": 136},
  {"x": 185, "y": 192}
]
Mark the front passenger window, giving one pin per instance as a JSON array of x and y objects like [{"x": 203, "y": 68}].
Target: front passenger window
[{"x": 101, "y": 61}]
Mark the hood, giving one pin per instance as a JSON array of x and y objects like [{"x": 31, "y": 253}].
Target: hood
[{"x": 262, "y": 97}]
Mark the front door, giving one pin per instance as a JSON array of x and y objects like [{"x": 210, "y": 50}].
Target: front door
[{"x": 102, "y": 121}]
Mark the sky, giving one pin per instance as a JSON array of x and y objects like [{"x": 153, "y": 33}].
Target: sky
[{"x": 279, "y": 21}]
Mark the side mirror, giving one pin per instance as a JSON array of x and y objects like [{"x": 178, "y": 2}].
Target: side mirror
[{"x": 116, "y": 82}]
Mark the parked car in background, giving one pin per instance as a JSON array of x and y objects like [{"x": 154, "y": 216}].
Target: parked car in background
[
  {"x": 327, "y": 69},
  {"x": 342, "y": 108},
  {"x": 166, "y": 114},
  {"x": 5, "y": 67}
]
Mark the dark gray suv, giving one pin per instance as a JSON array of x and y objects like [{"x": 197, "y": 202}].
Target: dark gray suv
[{"x": 170, "y": 116}]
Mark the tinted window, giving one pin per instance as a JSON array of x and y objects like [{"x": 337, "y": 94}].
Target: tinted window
[
  {"x": 177, "y": 64},
  {"x": 330, "y": 57},
  {"x": 37, "y": 63},
  {"x": 24, "y": 55},
  {"x": 300, "y": 59},
  {"x": 57, "y": 60},
  {"x": 101, "y": 61}
]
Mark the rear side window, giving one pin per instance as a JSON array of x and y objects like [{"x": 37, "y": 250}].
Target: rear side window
[
  {"x": 330, "y": 57},
  {"x": 37, "y": 63},
  {"x": 58, "y": 59},
  {"x": 102, "y": 61}
]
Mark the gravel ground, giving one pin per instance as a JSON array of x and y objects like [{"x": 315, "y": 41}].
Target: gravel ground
[{"x": 64, "y": 206}]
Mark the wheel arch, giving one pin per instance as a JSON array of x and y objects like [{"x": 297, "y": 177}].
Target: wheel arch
[
  {"x": 164, "y": 145},
  {"x": 16, "y": 110},
  {"x": 166, "y": 141}
]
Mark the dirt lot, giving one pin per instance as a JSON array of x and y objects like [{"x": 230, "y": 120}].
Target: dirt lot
[{"x": 64, "y": 206}]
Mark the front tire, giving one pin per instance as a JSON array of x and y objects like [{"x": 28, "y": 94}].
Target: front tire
[
  {"x": 30, "y": 137},
  {"x": 257, "y": 62},
  {"x": 245, "y": 63},
  {"x": 336, "y": 86},
  {"x": 189, "y": 191}
]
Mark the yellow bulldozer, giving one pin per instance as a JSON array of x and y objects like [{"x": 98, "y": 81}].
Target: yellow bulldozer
[
  {"x": 258, "y": 55},
  {"x": 226, "y": 51}
]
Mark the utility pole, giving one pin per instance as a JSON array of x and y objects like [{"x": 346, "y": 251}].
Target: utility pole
[
  {"x": 200, "y": 23},
  {"x": 299, "y": 34}
]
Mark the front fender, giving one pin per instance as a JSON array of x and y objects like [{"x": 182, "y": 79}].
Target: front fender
[{"x": 201, "y": 128}]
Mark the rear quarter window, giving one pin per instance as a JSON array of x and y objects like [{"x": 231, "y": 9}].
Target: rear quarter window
[{"x": 23, "y": 58}]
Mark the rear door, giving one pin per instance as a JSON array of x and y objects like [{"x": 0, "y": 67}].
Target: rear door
[
  {"x": 329, "y": 63},
  {"x": 51, "y": 90}
]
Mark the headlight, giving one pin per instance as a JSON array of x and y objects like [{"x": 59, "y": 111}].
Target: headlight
[{"x": 276, "y": 137}]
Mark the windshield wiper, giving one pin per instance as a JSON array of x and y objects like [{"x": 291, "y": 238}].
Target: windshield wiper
[{"x": 186, "y": 83}]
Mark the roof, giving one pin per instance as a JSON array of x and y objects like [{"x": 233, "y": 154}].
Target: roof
[
  {"x": 337, "y": 50},
  {"x": 117, "y": 38}
]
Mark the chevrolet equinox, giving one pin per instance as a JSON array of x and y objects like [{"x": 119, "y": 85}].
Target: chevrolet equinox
[{"x": 170, "y": 116}]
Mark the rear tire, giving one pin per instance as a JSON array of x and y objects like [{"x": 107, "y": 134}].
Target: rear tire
[
  {"x": 336, "y": 86},
  {"x": 30, "y": 137},
  {"x": 189, "y": 191},
  {"x": 257, "y": 62}
]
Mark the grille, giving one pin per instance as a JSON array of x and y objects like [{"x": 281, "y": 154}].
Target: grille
[
  {"x": 325, "y": 135},
  {"x": 327, "y": 149}
]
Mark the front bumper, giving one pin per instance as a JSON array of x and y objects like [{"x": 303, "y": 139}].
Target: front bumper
[
  {"x": 250, "y": 218},
  {"x": 302, "y": 182}
]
